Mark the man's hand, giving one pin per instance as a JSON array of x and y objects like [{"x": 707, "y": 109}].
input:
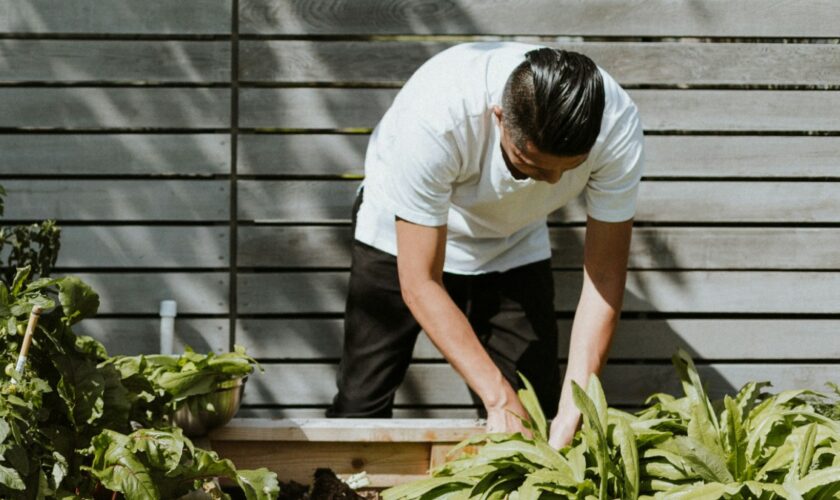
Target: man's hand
[
  {"x": 562, "y": 430},
  {"x": 504, "y": 415}
]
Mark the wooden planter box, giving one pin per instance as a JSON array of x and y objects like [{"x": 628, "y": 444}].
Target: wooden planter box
[{"x": 391, "y": 451}]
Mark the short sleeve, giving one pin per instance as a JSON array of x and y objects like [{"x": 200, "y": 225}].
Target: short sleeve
[
  {"x": 422, "y": 165},
  {"x": 613, "y": 185}
]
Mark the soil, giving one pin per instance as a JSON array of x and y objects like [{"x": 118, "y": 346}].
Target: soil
[{"x": 326, "y": 486}]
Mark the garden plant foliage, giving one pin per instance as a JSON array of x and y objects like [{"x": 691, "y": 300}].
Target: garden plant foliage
[
  {"x": 751, "y": 446},
  {"x": 75, "y": 418}
]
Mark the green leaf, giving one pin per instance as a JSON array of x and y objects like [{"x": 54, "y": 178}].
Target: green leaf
[
  {"x": 709, "y": 464},
  {"x": 78, "y": 300},
  {"x": 735, "y": 438},
  {"x": 629, "y": 459},
  {"x": 259, "y": 484},
  {"x": 704, "y": 491},
  {"x": 425, "y": 488},
  {"x": 81, "y": 386},
  {"x": 20, "y": 278},
  {"x": 11, "y": 479},
  {"x": 818, "y": 479},
  {"x": 693, "y": 386},
  {"x": 806, "y": 451},
  {"x": 528, "y": 397}
]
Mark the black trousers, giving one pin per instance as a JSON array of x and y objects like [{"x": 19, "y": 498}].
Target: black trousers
[{"x": 511, "y": 312}]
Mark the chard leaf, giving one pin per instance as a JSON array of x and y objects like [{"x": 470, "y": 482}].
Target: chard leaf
[
  {"x": 78, "y": 300},
  {"x": 20, "y": 278},
  {"x": 81, "y": 386}
]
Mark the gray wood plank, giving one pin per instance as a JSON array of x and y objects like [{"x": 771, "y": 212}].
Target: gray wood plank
[
  {"x": 661, "y": 110},
  {"x": 751, "y": 18},
  {"x": 123, "y": 200},
  {"x": 665, "y": 156},
  {"x": 312, "y": 108},
  {"x": 129, "y": 61},
  {"x": 742, "y": 156},
  {"x": 647, "y": 291},
  {"x": 141, "y": 293},
  {"x": 115, "y": 154},
  {"x": 651, "y": 247},
  {"x": 635, "y": 339},
  {"x": 117, "y": 17},
  {"x": 393, "y": 62},
  {"x": 130, "y": 337},
  {"x": 302, "y": 154},
  {"x": 439, "y": 384},
  {"x": 308, "y": 201},
  {"x": 659, "y": 201},
  {"x": 102, "y": 108},
  {"x": 143, "y": 247}
]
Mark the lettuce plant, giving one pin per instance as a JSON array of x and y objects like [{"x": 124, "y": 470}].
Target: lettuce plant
[{"x": 750, "y": 446}]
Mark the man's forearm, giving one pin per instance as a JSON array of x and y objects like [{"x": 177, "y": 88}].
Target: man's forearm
[
  {"x": 452, "y": 334},
  {"x": 592, "y": 331}
]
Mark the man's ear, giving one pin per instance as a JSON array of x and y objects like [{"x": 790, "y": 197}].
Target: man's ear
[{"x": 497, "y": 110}]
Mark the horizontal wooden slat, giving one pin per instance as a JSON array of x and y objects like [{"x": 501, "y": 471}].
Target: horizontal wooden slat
[
  {"x": 651, "y": 247},
  {"x": 357, "y": 430},
  {"x": 117, "y": 17},
  {"x": 750, "y": 18},
  {"x": 661, "y": 110},
  {"x": 384, "y": 464},
  {"x": 141, "y": 293},
  {"x": 388, "y": 62},
  {"x": 659, "y": 201},
  {"x": 665, "y": 156},
  {"x": 133, "y": 200},
  {"x": 742, "y": 156},
  {"x": 131, "y": 61},
  {"x": 131, "y": 337},
  {"x": 84, "y": 108},
  {"x": 708, "y": 339},
  {"x": 117, "y": 154},
  {"x": 302, "y": 154},
  {"x": 308, "y": 201},
  {"x": 647, "y": 291},
  {"x": 143, "y": 246},
  {"x": 312, "y": 108},
  {"x": 439, "y": 384}
]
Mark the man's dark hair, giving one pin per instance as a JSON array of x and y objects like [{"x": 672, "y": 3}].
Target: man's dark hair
[{"x": 554, "y": 99}]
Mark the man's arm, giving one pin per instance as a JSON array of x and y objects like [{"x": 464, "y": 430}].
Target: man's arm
[
  {"x": 420, "y": 256},
  {"x": 606, "y": 250}
]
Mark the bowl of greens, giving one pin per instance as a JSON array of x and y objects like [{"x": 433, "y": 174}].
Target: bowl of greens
[{"x": 201, "y": 391}]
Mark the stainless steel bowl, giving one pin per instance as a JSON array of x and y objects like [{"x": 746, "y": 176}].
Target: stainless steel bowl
[{"x": 197, "y": 415}]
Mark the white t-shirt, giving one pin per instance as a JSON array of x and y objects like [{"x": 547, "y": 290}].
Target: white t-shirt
[{"x": 435, "y": 159}]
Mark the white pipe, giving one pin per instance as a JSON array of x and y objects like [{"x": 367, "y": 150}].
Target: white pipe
[{"x": 168, "y": 311}]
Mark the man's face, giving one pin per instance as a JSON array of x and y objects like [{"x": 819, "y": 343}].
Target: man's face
[{"x": 531, "y": 162}]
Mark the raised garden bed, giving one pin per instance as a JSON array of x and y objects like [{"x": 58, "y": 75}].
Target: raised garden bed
[{"x": 390, "y": 451}]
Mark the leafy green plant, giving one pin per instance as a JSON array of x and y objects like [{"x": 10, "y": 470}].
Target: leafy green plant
[
  {"x": 152, "y": 464},
  {"x": 35, "y": 246},
  {"x": 752, "y": 445},
  {"x": 70, "y": 393}
]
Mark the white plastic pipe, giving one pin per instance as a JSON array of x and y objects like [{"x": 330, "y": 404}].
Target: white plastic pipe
[{"x": 168, "y": 311}]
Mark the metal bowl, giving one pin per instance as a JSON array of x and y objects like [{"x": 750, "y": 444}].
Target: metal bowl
[{"x": 197, "y": 415}]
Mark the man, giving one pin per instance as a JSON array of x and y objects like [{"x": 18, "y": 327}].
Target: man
[{"x": 480, "y": 145}]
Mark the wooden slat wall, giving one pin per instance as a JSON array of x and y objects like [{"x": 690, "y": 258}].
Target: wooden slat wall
[{"x": 209, "y": 151}]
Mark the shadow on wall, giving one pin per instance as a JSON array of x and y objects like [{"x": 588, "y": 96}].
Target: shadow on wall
[
  {"x": 159, "y": 156},
  {"x": 122, "y": 141},
  {"x": 325, "y": 63}
]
